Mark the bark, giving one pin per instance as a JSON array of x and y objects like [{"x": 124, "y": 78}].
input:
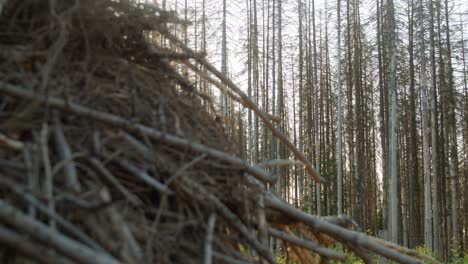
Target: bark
[{"x": 393, "y": 124}]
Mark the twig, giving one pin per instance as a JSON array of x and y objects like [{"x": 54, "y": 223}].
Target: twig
[
  {"x": 144, "y": 177},
  {"x": 49, "y": 180},
  {"x": 38, "y": 252},
  {"x": 184, "y": 168},
  {"x": 117, "y": 121},
  {"x": 10, "y": 143},
  {"x": 36, "y": 204},
  {"x": 209, "y": 240},
  {"x": 61, "y": 164},
  {"x": 146, "y": 152},
  {"x": 277, "y": 163},
  {"x": 10, "y": 164},
  {"x": 109, "y": 177},
  {"x": 61, "y": 243},
  {"x": 227, "y": 259},
  {"x": 172, "y": 55},
  {"x": 31, "y": 177},
  {"x": 321, "y": 250},
  {"x": 262, "y": 222},
  {"x": 65, "y": 153},
  {"x": 126, "y": 237}
]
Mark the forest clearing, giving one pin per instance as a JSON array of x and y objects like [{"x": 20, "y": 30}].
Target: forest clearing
[{"x": 214, "y": 131}]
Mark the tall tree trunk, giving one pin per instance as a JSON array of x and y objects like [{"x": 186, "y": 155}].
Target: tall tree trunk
[
  {"x": 224, "y": 58},
  {"x": 393, "y": 124},
  {"x": 413, "y": 201},
  {"x": 280, "y": 112},
  {"x": 383, "y": 118},
  {"x": 465, "y": 143},
  {"x": 301, "y": 94},
  {"x": 428, "y": 238},
  {"x": 339, "y": 116},
  {"x": 452, "y": 126},
  {"x": 316, "y": 118},
  {"x": 250, "y": 143},
  {"x": 434, "y": 135}
]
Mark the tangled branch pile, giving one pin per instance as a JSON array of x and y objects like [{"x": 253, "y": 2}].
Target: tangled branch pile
[{"x": 108, "y": 154}]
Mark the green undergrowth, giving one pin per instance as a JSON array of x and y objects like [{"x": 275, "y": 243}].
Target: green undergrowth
[
  {"x": 460, "y": 259},
  {"x": 352, "y": 259}
]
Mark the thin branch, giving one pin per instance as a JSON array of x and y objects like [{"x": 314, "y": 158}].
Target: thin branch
[
  {"x": 65, "y": 153},
  {"x": 110, "y": 178},
  {"x": 228, "y": 259},
  {"x": 321, "y": 250},
  {"x": 10, "y": 143},
  {"x": 49, "y": 180},
  {"x": 144, "y": 177},
  {"x": 209, "y": 240},
  {"x": 277, "y": 163},
  {"x": 36, "y": 204},
  {"x": 23, "y": 244},
  {"x": 126, "y": 236}
]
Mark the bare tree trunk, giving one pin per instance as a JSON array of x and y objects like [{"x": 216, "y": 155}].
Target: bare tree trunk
[
  {"x": 339, "y": 103},
  {"x": 393, "y": 124},
  {"x": 434, "y": 121},
  {"x": 301, "y": 93},
  {"x": 452, "y": 126},
  {"x": 224, "y": 58},
  {"x": 465, "y": 144},
  {"x": 280, "y": 93},
  {"x": 428, "y": 239},
  {"x": 413, "y": 174},
  {"x": 316, "y": 118}
]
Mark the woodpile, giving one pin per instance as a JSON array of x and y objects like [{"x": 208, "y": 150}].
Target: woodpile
[{"x": 108, "y": 153}]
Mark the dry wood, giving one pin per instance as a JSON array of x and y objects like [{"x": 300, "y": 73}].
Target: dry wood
[
  {"x": 229, "y": 216},
  {"x": 113, "y": 181},
  {"x": 341, "y": 234},
  {"x": 52, "y": 238},
  {"x": 144, "y": 177},
  {"x": 61, "y": 144},
  {"x": 23, "y": 244},
  {"x": 10, "y": 143},
  {"x": 209, "y": 240},
  {"x": 49, "y": 179},
  {"x": 113, "y": 120},
  {"x": 323, "y": 251},
  {"x": 36, "y": 204},
  {"x": 131, "y": 249}
]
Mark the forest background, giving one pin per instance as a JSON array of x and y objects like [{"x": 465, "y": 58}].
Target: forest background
[{"x": 374, "y": 92}]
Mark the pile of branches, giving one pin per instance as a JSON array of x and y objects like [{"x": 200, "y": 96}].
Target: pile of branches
[{"x": 108, "y": 154}]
